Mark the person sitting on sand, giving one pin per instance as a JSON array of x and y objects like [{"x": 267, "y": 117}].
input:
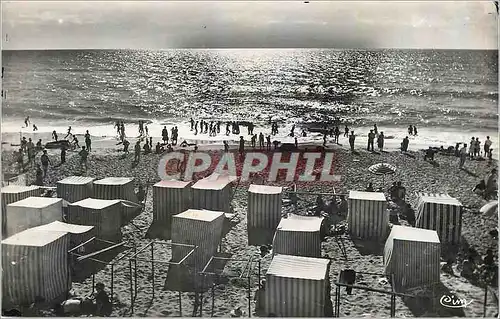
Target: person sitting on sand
[
  {"x": 146, "y": 148},
  {"x": 126, "y": 144},
  {"x": 169, "y": 148},
  {"x": 75, "y": 142},
  {"x": 83, "y": 157},
  {"x": 370, "y": 188},
  {"x": 468, "y": 268},
  {"x": 429, "y": 154},
  {"x": 137, "y": 152},
  {"x": 401, "y": 191},
  {"x": 159, "y": 148},
  {"x": 463, "y": 156},
  {"x": 320, "y": 206},
  {"x": 260, "y": 299},
  {"x": 448, "y": 268},
  {"x": 236, "y": 313},
  {"x": 404, "y": 144},
  {"x": 103, "y": 305},
  {"x": 44, "y": 159},
  {"x": 54, "y": 135},
  {"x": 480, "y": 188},
  {"x": 343, "y": 206}
]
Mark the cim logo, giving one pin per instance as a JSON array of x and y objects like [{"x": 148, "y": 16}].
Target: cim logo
[
  {"x": 452, "y": 301},
  {"x": 270, "y": 166}
]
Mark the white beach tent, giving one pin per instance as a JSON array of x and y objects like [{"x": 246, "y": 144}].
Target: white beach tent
[
  {"x": 14, "y": 193},
  {"x": 122, "y": 188},
  {"x": 442, "y": 213},
  {"x": 368, "y": 217},
  {"x": 169, "y": 198},
  {"x": 78, "y": 233},
  {"x": 31, "y": 212},
  {"x": 104, "y": 215},
  {"x": 75, "y": 188},
  {"x": 298, "y": 236},
  {"x": 413, "y": 256},
  {"x": 202, "y": 228},
  {"x": 35, "y": 264},
  {"x": 264, "y": 213},
  {"x": 213, "y": 193},
  {"x": 296, "y": 286}
]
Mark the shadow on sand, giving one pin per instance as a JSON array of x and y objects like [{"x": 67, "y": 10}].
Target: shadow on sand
[
  {"x": 429, "y": 304},
  {"x": 369, "y": 247}
]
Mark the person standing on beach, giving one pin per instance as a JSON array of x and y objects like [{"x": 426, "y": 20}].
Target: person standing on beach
[
  {"x": 75, "y": 141},
  {"x": 242, "y": 145},
  {"x": 380, "y": 141},
  {"x": 164, "y": 134},
  {"x": 122, "y": 130},
  {"x": 404, "y": 144},
  {"x": 268, "y": 142},
  {"x": 137, "y": 151},
  {"x": 371, "y": 139},
  {"x": 261, "y": 140},
  {"x": 24, "y": 143},
  {"x": 63, "y": 154},
  {"x": 352, "y": 138},
  {"x": 27, "y": 121},
  {"x": 487, "y": 145},
  {"x": 337, "y": 134},
  {"x": 410, "y": 130},
  {"x": 31, "y": 151},
  {"x": 39, "y": 176},
  {"x": 20, "y": 160},
  {"x": 44, "y": 159},
  {"x": 228, "y": 130},
  {"x": 471, "y": 147},
  {"x": 226, "y": 146},
  {"x": 415, "y": 130},
  {"x": 69, "y": 132},
  {"x": 88, "y": 141},
  {"x": 54, "y": 135},
  {"x": 324, "y": 137},
  {"x": 477, "y": 147},
  {"x": 83, "y": 158},
  {"x": 254, "y": 140},
  {"x": 39, "y": 145},
  {"x": 175, "y": 136},
  {"x": 375, "y": 129},
  {"x": 146, "y": 129},
  {"x": 346, "y": 131},
  {"x": 196, "y": 128},
  {"x": 191, "y": 121},
  {"x": 125, "y": 146},
  {"x": 463, "y": 156}
]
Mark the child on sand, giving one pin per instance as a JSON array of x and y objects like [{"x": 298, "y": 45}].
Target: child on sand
[{"x": 54, "y": 135}]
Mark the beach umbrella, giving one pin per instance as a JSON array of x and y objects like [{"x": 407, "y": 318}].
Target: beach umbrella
[
  {"x": 490, "y": 208},
  {"x": 382, "y": 169}
]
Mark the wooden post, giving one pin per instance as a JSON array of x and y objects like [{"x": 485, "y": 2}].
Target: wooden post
[
  {"x": 131, "y": 287},
  {"x": 201, "y": 294},
  {"x": 485, "y": 299},
  {"x": 180, "y": 304},
  {"x": 213, "y": 299},
  {"x": 153, "y": 268},
  {"x": 249, "y": 297},
  {"x": 112, "y": 286}
]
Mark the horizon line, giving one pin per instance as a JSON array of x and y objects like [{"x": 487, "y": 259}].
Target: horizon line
[{"x": 247, "y": 48}]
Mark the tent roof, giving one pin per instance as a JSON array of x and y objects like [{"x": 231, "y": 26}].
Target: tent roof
[
  {"x": 114, "y": 181},
  {"x": 367, "y": 196},
  {"x": 300, "y": 223},
  {"x": 438, "y": 199},
  {"x": 36, "y": 202},
  {"x": 76, "y": 180},
  {"x": 264, "y": 189},
  {"x": 172, "y": 184},
  {"x": 64, "y": 227},
  {"x": 34, "y": 237},
  {"x": 414, "y": 234},
  {"x": 202, "y": 215},
  {"x": 210, "y": 184},
  {"x": 93, "y": 203},
  {"x": 11, "y": 189},
  {"x": 298, "y": 267}
]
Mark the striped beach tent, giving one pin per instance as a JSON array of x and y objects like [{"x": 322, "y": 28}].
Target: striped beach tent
[
  {"x": 169, "y": 198},
  {"x": 104, "y": 215},
  {"x": 78, "y": 233},
  {"x": 35, "y": 264},
  {"x": 296, "y": 286},
  {"x": 31, "y": 212},
  {"x": 413, "y": 256},
  {"x": 14, "y": 193},
  {"x": 368, "y": 217},
  {"x": 298, "y": 236},
  {"x": 118, "y": 188},
  {"x": 212, "y": 194},
  {"x": 202, "y": 228},
  {"x": 442, "y": 213},
  {"x": 75, "y": 188},
  {"x": 264, "y": 213}
]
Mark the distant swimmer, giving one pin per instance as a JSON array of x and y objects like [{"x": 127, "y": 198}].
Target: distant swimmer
[
  {"x": 27, "y": 121},
  {"x": 54, "y": 135},
  {"x": 69, "y": 132},
  {"x": 35, "y": 128}
]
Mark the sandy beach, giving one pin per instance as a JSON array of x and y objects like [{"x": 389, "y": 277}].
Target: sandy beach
[{"x": 417, "y": 175}]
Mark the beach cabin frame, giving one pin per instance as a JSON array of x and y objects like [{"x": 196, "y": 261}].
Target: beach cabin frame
[
  {"x": 413, "y": 256},
  {"x": 35, "y": 264},
  {"x": 442, "y": 213},
  {"x": 367, "y": 217},
  {"x": 296, "y": 286},
  {"x": 104, "y": 215},
  {"x": 298, "y": 236},
  {"x": 31, "y": 212},
  {"x": 212, "y": 194},
  {"x": 15, "y": 193},
  {"x": 264, "y": 213},
  {"x": 75, "y": 188},
  {"x": 121, "y": 188}
]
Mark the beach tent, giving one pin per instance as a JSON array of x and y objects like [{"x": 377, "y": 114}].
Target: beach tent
[
  {"x": 213, "y": 194},
  {"x": 298, "y": 236},
  {"x": 264, "y": 213},
  {"x": 202, "y": 228},
  {"x": 14, "y": 193},
  {"x": 169, "y": 198},
  {"x": 31, "y": 212},
  {"x": 368, "y": 217},
  {"x": 296, "y": 286},
  {"x": 442, "y": 213},
  {"x": 75, "y": 188},
  {"x": 413, "y": 256},
  {"x": 118, "y": 188},
  {"x": 104, "y": 215},
  {"x": 35, "y": 264},
  {"x": 77, "y": 233},
  {"x": 14, "y": 179}
]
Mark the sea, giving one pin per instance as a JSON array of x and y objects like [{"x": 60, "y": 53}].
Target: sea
[{"x": 450, "y": 95}]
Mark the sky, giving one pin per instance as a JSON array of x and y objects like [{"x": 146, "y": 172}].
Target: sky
[{"x": 248, "y": 24}]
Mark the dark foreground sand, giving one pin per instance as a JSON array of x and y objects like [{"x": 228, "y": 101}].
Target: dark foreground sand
[{"x": 416, "y": 175}]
